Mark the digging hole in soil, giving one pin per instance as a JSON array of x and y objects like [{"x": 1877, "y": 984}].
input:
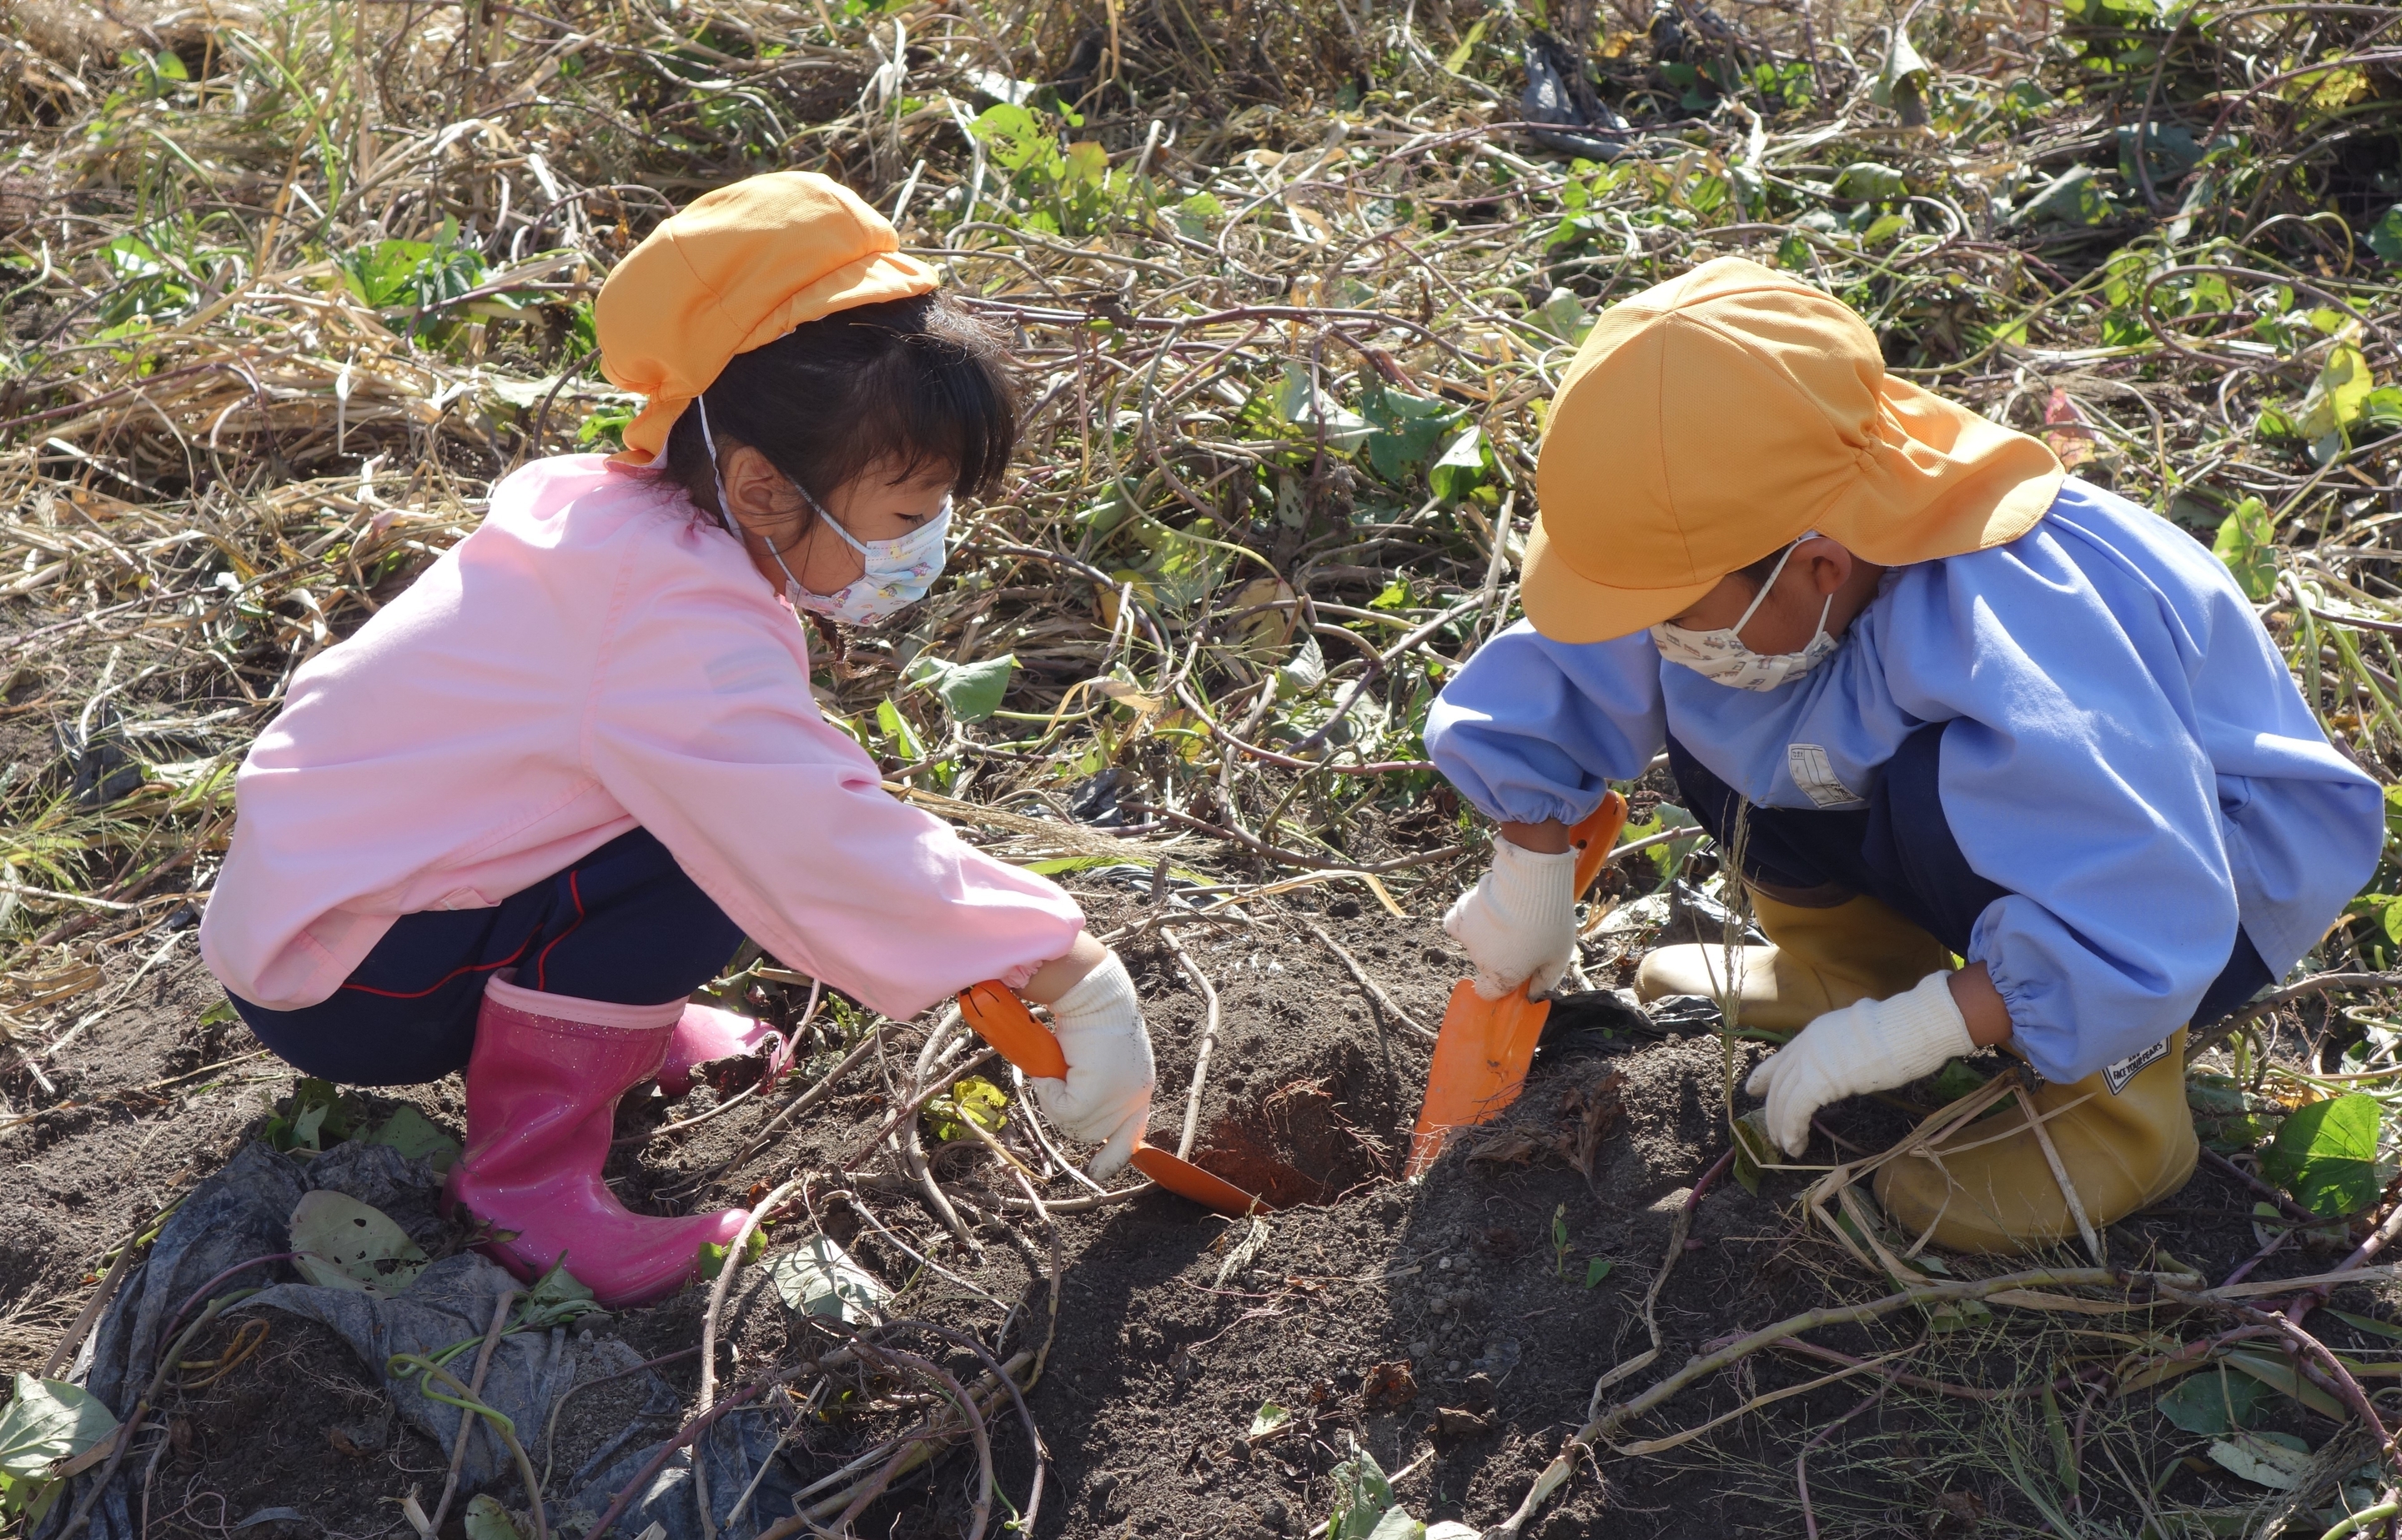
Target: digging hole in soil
[{"x": 1328, "y": 1132}]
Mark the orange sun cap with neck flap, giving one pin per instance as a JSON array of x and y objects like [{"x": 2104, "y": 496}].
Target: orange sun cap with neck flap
[
  {"x": 733, "y": 271},
  {"x": 1715, "y": 419}
]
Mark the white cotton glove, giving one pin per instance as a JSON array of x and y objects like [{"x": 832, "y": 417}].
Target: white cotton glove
[
  {"x": 1107, "y": 1093},
  {"x": 1873, "y": 1045},
  {"x": 1519, "y": 922}
]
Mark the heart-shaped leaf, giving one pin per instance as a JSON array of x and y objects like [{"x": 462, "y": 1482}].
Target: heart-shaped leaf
[
  {"x": 819, "y": 1278},
  {"x": 2326, "y": 1155},
  {"x": 971, "y": 692},
  {"x": 488, "y": 1520},
  {"x": 409, "y": 1132},
  {"x": 2212, "y": 1403},
  {"x": 2247, "y": 543},
  {"x": 2385, "y": 236},
  {"x": 1461, "y": 468},
  {"x": 1904, "y": 73},
  {"x": 48, "y": 1421},
  {"x": 1363, "y": 1497},
  {"x": 346, "y": 1243}
]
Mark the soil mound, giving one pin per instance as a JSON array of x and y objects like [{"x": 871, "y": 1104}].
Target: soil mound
[{"x": 1299, "y": 1142}]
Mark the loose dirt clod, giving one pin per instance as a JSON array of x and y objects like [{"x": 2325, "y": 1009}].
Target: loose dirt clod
[{"x": 1295, "y": 1145}]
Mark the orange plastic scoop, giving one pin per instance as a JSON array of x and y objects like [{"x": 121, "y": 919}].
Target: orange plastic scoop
[
  {"x": 1001, "y": 1019},
  {"x": 1482, "y": 1054}
]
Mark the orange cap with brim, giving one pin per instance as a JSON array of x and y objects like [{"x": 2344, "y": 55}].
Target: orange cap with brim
[
  {"x": 732, "y": 270},
  {"x": 1714, "y": 418}
]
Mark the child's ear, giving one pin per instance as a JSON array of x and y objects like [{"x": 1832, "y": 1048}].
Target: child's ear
[
  {"x": 1830, "y": 567},
  {"x": 749, "y": 484}
]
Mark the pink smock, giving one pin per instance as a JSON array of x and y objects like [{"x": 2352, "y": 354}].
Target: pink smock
[{"x": 594, "y": 658}]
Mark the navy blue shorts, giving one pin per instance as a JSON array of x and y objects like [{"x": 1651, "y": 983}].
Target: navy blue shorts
[
  {"x": 1898, "y": 850},
  {"x": 623, "y": 925}
]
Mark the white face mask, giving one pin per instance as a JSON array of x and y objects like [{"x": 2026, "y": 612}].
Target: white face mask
[
  {"x": 897, "y": 572},
  {"x": 1720, "y": 657}
]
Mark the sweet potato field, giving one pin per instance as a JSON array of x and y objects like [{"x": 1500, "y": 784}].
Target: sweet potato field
[{"x": 287, "y": 286}]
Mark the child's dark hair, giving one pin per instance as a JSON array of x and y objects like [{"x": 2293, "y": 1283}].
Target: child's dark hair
[
  {"x": 898, "y": 387},
  {"x": 1756, "y": 571},
  {"x": 1760, "y": 571}
]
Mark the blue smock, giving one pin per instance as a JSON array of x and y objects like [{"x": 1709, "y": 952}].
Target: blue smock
[{"x": 2128, "y": 757}]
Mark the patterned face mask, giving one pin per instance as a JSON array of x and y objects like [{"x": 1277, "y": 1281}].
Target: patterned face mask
[
  {"x": 897, "y": 571},
  {"x": 1722, "y": 657}
]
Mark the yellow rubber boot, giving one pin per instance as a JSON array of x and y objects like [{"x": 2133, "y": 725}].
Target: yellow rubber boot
[
  {"x": 1818, "y": 960},
  {"x": 1990, "y": 1189}
]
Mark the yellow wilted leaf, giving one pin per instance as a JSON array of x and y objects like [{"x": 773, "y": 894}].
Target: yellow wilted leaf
[
  {"x": 1087, "y": 161},
  {"x": 975, "y": 1100},
  {"x": 1263, "y": 632},
  {"x": 1126, "y": 694},
  {"x": 2334, "y": 89},
  {"x": 1143, "y": 594},
  {"x": 97, "y": 504},
  {"x": 2337, "y": 399},
  {"x": 1309, "y": 224},
  {"x": 1457, "y": 59}
]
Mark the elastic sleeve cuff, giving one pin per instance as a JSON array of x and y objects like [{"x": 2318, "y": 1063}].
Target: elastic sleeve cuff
[
  {"x": 1562, "y": 808},
  {"x": 2049, "y": 1050},
  {"x": 1521, "y": 804}
]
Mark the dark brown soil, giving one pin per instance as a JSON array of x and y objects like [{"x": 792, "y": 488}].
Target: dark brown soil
[
  {"x": 121, "y": 1146},
  {"x": 1454, "y": 1327},
  {"x": 299, "y": 1425}
]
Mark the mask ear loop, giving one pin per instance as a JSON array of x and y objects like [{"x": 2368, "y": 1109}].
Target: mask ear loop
[
  {"x": 708, "y": 442},
  {"x": 726, "y": 511},
  {"x": 1824, "y": 610},
  {"x": 826, "y": 628},
  {"x": 1769, "y": 582},
  {"x": 819, "y": 508},
  {"x": 865, "y": 548},
  {"x": 1785, "y": 662}
]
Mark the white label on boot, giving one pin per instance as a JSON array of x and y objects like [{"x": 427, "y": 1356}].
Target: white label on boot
[
  {"x": 1814, "y": 777},
  {"x": 2116, "y": 1076}
]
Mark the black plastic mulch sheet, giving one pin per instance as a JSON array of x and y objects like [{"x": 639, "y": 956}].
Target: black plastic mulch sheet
[{"x": 241, "y": 1215}]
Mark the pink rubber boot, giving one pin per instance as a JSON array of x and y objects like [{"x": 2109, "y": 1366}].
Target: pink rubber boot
[
  {"x": 705, "y": 1034},
  {"x": 542, "y": 1087}
]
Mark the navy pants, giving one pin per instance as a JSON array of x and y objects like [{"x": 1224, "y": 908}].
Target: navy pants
[
  {"x": 624, "y": 926},
  {"x": 1899, "y": 850}
]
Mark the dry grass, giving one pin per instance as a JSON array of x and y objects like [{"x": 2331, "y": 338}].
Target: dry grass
[{"x": 1289, "y": 297}]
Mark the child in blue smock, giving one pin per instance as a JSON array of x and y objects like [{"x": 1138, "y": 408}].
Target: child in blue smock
[{"x": 1962, "y": 705}]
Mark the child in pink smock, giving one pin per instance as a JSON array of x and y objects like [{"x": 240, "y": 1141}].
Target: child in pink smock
[{"x": 539, "y": 798}]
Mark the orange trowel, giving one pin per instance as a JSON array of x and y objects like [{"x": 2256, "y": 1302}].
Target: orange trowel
[
  {"x": 1001, "y": 1019},
  {"x": 1482, "y": 1054}
]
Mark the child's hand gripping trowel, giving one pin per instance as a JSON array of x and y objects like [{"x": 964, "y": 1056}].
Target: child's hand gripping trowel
[
  {"x": 1483, "y": 1053},
  {"x": 1001, "y": 1019}
]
